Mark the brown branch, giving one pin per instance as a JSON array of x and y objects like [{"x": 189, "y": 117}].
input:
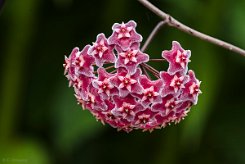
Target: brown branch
[{"x": 175, "y": 23}]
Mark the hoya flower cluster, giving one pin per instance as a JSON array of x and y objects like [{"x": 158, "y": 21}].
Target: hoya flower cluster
[{"x": 108, "y": 81}]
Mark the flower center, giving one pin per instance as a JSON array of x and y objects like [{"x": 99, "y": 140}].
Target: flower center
[
  {"x": 99, "y": 48},
  {"x": 171, "y": 104},
  {"x": 194, "y": 89},
  {"x": 144, "y": 119},
  {"x": 182, "y": 58},
  {"x": 104, "y": 86},
  {"x": 123, "y": 30},
  {"x": 150, "y": 94},
  {"x": 110, "y": 116}
]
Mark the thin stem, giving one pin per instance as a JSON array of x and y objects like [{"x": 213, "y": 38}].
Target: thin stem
[
  {"x": 106, "y": 68},
  {"x": 151, "y": 69},
  {"x": 157, "y": 60},
  {"x": 147, "y": 42},
  {"x": 152, "y": 35},
  {"x": 114, "y": 71},
  {"x": 145, "y": 71},
  {"x": 175, "y": 23},
  {"x": 109, "y": 67}
]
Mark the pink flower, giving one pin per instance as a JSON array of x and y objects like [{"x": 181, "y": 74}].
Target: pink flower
[
  {"x": 181, "y": 111},
  {"x": 122, "y": 94},
  {"x": 178, "y": 58},
  {"x": 172, "y": 83},
  {"x": 93, "y": 100},
  {"x": 79, "y": 63},
  {"x": 102, "y": 83},
  {"x": 101, "y": 51},
  {"x": 168, "y": 104},
  {"x": 145, "y": 120},
  {"x": 124, "y": 35},
  {"x": 81, "y": 85},
  {"x": 131, "y": 58},
  {"x": 70, "y": 64},
  {"x": 192, "y": 88},
  {"x": 127, "y": 83},
  {"x": 126, "y": 107},
  {"x": 150, "y": 90}
]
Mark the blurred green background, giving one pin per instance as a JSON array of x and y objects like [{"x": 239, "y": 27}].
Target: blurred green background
[{"x": 40, "y": 122}]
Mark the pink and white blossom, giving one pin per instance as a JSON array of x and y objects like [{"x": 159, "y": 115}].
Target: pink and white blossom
[
  {"x": 127, "y": 83},
  {"x": 178, "y": 58},
  {"x": 109, "y": 80},
  {"x": 103, "y": 84},
  {"x": 192, "y": 88},
  {"x": 102, "y": 51},
  {"x": 124, "y": 35},
  {"x": 150, "y": 90},
  {"x": 172, "y": 83},
  {"x": 131, "y": 58}
]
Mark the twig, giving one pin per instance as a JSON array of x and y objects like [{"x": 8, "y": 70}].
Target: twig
[
  {"x": 114, "y": 71},
  {"x": 175, "y": 23},
  {"x": 151, "y": 36},
  {"x": 151, "y": 69},
  {"x": 157, "y": 60},
  {"x": 145, "y": 71}
]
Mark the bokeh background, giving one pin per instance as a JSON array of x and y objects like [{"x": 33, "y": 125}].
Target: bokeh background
[{"x": 40, "y": 122}]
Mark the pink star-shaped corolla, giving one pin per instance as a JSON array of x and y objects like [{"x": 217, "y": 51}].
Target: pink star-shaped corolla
[
  {"x": 101, "y": 51},
  {"x": 103, "y": 84},
  {"x": 172, "y": 83},
  {"x": 178, "y": 58},
  {"x": 81, "y": 85},
  {"x": 145, "y": 120},
  {"x": 192, "y": 88},
  {"x": 93, "y": 100},
  {"x": 126, "y": 107},
  {"x": 131, "y": 58},
  {"x": 168, "y": 104},
  {"x": 69, "y": 65},
  {"x": 171, "y": 109},
  {"x": 83, "y": 63},
  {"x": 127, "y": 83},
  {"x": 124, "y": 35},
  {"x": 150, "y": 90}
]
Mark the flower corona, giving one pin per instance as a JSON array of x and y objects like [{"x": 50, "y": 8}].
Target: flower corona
[{"x": 110, "y": 79}]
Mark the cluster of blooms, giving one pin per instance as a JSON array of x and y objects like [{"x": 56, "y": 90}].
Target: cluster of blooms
[{"x": 126, "y": 98}]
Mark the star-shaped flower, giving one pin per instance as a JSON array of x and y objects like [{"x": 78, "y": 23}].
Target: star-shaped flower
[
  {"x": 81, "y": 85},
  {"x": 83, "y": 62},
  {"x": 124, "y": 98},
  {"x": 145, "y": 120},
  {"x": 181, "y": 111},
  {"x": 168, "y": 104},
  {"x": 69, "y": 65},
  {"x": 103, "y": 84},
  {"x": 172, "y": 83},
  {"x": 101, "y": 51},
  {"x": 150, "y": 90},
  {"x": 126, "y": 107},
  {"x": 178, "y": 58},
  {"x": 131, "y": 58},
  {"x": 124, "y": 35},
  {"x": 93, "y": 100},
  {"x": 192, "y": 88},
  {"x": 171, "y": 109},
  {"x": 127, "y": 83},
  {"x": 68, "y": 60}
]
